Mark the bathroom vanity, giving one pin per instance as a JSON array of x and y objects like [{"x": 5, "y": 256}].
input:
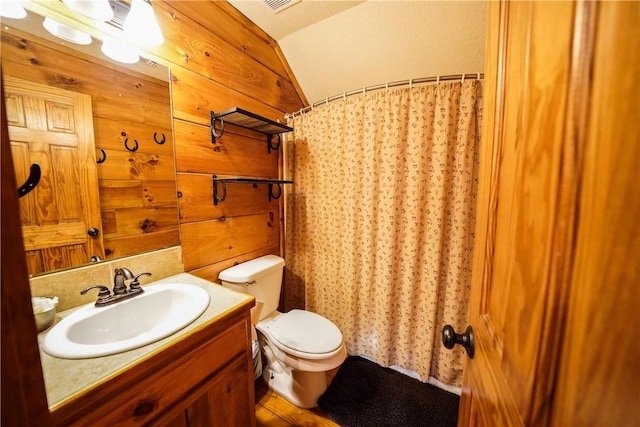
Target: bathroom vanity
[{"x": 200, "y": 376}]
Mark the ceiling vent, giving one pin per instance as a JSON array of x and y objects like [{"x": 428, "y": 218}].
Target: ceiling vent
[{"x": 280, "y": 5}]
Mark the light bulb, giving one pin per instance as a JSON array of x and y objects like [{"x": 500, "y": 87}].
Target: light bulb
[
  {"x": 65, "y": 32},
  {"x": 141, "y": 25},
  {"x": 99, "y": 10},
  {"x": 12, "y": 9},
  {"x": 119, "y": 51}
]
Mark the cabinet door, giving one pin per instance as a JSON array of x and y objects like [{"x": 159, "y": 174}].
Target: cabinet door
[{"x": 225, "y": 400}]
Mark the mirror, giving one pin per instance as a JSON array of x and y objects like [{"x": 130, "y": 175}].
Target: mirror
[{"x": 101, "y": 134}]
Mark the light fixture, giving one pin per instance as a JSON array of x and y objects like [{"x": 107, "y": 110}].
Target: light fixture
[
  {"x": 141, "y": 25},
  {"x": 119, "y": 51},
  {"x": 12, "y": 9},
  {"x": 65, "y": 32},
  {"x": 100, "y": 10}
]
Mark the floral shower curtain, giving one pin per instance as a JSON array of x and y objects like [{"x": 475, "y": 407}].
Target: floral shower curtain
[{"x": 379, "y": 228}]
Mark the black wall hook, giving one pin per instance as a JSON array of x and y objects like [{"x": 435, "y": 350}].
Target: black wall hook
[
  {"x": 31, "y": 182},
  {"x": 103, "y": 158},
  {"x": 126, "y": 145},
  {"x": 162, "y": 141}
]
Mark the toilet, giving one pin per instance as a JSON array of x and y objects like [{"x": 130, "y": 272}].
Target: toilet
[{"x": 299, "y": 346}]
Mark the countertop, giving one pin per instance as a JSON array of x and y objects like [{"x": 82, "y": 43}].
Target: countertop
[{"x": 66, "y": 378}]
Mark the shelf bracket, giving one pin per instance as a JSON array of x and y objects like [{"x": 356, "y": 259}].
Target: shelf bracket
[
  {"x": 272, "y": 195},
  {"x": 220, "y": 186},
  {"x": 217, "y": 197},
  {"x": 215, "y": 135},
  {"x": 270, "y": 145}
]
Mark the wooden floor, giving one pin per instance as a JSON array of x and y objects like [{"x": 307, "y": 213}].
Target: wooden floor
[{"x": 275, "y": 411}]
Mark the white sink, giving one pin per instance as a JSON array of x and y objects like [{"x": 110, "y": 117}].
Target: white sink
[{"x": 99, "y": 331}]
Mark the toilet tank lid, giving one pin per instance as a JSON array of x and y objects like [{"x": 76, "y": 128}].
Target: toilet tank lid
[{"x": 251, "y": 270}]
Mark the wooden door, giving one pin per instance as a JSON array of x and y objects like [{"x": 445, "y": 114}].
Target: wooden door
[
  {"x": 557, "y": 239},
  {"x": 53, "y": 128}
]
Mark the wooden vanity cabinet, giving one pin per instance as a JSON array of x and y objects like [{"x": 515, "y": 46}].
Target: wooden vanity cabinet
[{"x": 202, "y": 379}]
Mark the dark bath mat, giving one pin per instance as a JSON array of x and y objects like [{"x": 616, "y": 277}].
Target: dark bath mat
[{"x": 366, "y": 394}]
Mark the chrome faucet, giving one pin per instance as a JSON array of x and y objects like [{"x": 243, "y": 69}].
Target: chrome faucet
[{"x": 122, "y": 278}]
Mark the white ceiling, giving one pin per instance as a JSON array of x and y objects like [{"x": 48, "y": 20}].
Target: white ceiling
[
  {"x": 338, "y": 46},
  {"x": 293, "y": 18}
]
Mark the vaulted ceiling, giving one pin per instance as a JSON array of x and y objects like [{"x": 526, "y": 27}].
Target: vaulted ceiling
[{"x": 338, "y": 46}]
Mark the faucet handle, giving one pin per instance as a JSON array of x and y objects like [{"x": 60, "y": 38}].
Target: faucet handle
[
  {"x": 134, "y": 285},
  {"x": 103, "y": 294}
]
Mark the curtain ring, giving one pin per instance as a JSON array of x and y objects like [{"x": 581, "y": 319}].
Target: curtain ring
[
  {"x": 410, "y": 83},
  {"x": 364, "y": 90},
  {"x": 344, "y": 96},
  {"x": 326, "y": 101},
  {"x": 386, "y": 87},
  {"x": 478, "y": 76},
  {"x": 438, "y": 80},
  {"x": 462, "y": 78}
]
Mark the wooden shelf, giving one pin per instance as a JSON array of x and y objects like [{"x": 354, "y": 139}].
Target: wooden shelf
[{"x": 248, "y": 120}]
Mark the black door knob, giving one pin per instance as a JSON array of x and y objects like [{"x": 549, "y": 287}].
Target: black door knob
[
  {"x": 93, "y": 232},
  {"x": 450, "y": 338}
]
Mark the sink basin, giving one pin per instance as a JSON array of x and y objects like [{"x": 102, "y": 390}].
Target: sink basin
[{"x": 100, "y": 331}]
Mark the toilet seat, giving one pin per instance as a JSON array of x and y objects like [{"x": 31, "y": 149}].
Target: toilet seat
[{"x": 304, "y": 334}]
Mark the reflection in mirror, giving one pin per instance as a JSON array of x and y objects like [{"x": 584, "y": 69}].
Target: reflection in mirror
[{"x": 101, "y": 135}]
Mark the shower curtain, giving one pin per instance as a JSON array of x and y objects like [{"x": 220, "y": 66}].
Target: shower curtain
[{"x": 379, "y": 221}]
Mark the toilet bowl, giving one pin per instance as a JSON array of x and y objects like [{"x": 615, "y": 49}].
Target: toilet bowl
[{"x": 299, "y": 347}]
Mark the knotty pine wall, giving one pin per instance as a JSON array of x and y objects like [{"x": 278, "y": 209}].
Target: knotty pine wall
[{"x": 218, "y": 60}]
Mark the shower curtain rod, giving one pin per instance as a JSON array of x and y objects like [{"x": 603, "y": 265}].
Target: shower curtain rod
[{"x": 409, "y": 82}]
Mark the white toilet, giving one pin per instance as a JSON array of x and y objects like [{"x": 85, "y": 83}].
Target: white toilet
[{"x": 299, "y": 346}]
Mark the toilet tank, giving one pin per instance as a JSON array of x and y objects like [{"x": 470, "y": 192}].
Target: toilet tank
[{"x": 260, "y": 277}]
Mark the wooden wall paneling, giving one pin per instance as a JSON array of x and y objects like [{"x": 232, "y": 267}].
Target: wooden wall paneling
[
  {"x": 132, "y": 221},
  {"x": 136, "y": 165},
  {"x": 207, "y": 242},
  {"x": 122, "y": 193},
  {"x": 196, "y": 201},
  {"x": 109, "y": 135},
  {"x": 292, "y": 77},
  {"x": 211, "y": 56},
  {"x": 223, "y": 20},
  {"x": 194, "y": 96},
  {"x": 245, "y": 36},
  {"x": 122, "y": 246},
  {"x": 232, "y": 154},
  {"x": 212, "y": 271}
]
